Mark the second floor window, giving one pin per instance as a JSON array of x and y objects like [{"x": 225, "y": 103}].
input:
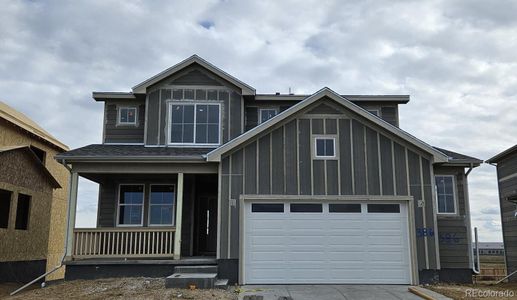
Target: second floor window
[
  {"x": 194, "y": 124},
  {"x": 127, "y": 116},
  {"x": 267, "y": 113}
]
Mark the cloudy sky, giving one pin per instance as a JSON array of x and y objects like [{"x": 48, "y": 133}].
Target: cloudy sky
[{"x": 457, "y": 60}]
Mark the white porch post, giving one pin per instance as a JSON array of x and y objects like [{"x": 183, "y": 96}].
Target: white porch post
[
  {"x": 179, "y": 209},
  {"x": 72, "y": 208}
]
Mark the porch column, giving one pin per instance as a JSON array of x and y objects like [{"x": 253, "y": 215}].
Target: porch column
[
  {"x": 72, "y": 208},
  {"x": 179, "y": 209}
]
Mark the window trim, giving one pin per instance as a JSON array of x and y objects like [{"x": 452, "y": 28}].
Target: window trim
[
  {"x": 315, "y": 147},
  {"x": 194, "y": 103},
  {"x": 454, "y": 194},
  {"x": 173, "y": 206},
  {"x": 117, "y": 223},
  {"x": 264, "y": 109},
  {"x": 119, "y": 114},
  {"x": 376, "y": 110}
]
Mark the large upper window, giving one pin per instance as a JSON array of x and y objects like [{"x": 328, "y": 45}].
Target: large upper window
[
  {"x": 161, "y": 205},
  {"x": 131, "y": 204},
  {"x": 195, "y": 124},
  {"x": 445, "y": 194}
]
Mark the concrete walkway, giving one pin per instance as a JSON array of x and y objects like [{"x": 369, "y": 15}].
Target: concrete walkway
[{"x": 328, "y": 292}]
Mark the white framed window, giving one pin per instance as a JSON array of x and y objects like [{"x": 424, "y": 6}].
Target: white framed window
[
  {"x": 130, "y": 210},
  {"x": 195, "y": 124},
  {"x": 266, "y": 114},
  {"x": 374, "y": 112},
  {"x": 127, "y": 115},
  {"x": 324, "y": 147},
  {"x": 446, "y": 194},
  {"x": 162, "y": 204}
]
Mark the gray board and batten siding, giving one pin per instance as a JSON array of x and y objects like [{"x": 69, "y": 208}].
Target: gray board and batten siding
[
  {"x": 370, "y": 161},
  {"x": 193, "y": 85},
  {"x": 507, "y": 179}
]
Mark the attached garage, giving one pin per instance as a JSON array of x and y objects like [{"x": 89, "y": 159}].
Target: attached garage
[{"x": 301, "y": 242}]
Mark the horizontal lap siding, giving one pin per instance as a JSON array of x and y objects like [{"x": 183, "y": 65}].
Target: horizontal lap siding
[
  {"x": 508, "y": 187},
  {"x": 281, "y": 162},
  {"x": 453, "y": 231},
  {"x": 114, "y": 133}
]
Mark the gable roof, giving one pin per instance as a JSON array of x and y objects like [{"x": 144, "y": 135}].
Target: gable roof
[
  {"x": 17, "y": 118},
  {"x": 501, "y": 155},
  {"x": 215, "y": 155},
  {"x": 36, "y": 161},
  {"x": 141, "y": 87}
]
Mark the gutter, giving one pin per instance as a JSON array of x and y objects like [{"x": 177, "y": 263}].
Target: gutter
[
  {"x": 66, "y": 237},
  {"x": 171, "y": 159}
]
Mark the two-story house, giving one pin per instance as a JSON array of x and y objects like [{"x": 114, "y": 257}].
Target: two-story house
[{"x": 196, "y": 167}]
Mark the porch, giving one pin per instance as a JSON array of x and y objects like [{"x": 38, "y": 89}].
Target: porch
[{"x": 147, "y": 218}]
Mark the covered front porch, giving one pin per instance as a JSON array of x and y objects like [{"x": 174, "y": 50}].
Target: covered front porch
[{"x": 146, "y": 214}]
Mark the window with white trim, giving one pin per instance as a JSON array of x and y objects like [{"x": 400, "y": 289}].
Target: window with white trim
[
  {"x": 161, "y": 205},
  {"x": 324, "y": 147},
  {"x": 131, "y": 204},
  {"x": 374, "y": 112},
  {"x": 446, "y": 196},
  {"x": 127, "y": 115},
  {"x": 194, "y": 124},
  {"x": 267, "y": 113}
]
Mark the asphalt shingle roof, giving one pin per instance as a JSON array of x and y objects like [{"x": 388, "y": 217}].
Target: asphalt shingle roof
[
  {"x": 455, "y": 156},
  {"x": 134, "y": 151}
]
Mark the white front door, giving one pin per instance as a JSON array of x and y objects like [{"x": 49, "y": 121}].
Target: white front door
[{"x": 329, "y": 242}]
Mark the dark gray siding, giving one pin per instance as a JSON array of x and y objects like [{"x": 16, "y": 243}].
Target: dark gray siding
[
  {"x": 114, "y": 133},
  {"x": 387, "y": 112},
  {"x": 506, "y": 170},
  {"x": 366, "y": 154},
  {"x": 453, "y": 230},
  {"x": 108, "y": 195}
]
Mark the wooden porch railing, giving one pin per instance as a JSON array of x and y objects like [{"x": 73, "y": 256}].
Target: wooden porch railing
[{"x": 123, "y": 242}]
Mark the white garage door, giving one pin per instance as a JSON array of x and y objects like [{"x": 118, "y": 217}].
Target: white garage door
[{"x": 326, "y": 243}]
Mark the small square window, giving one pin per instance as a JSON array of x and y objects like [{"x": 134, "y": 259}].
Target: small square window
[
  {"x": 127, "y": 115},
  {"x": 383, "y": 208},
  {"x": 345, "y": 208},
  {"x": 306, "y": 207},
  {"x": 325, "y": 147},
  {"x": 267, "y": 113},
  {"x": 267, "y": 207}
]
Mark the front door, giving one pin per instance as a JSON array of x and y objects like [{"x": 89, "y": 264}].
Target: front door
[{"x": 206, "y": 212}]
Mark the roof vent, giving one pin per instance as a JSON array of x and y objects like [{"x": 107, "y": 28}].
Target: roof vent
[{"x": 277, "y": 93}]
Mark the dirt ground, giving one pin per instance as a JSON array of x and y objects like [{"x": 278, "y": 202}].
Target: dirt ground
[
  {"x": 120, "y": 288},
  {"x": 479, "y": 291}
]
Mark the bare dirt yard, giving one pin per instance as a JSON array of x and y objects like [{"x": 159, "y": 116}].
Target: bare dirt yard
[
  {"x": 478, "y": 291},
  {"x": 119, "y": 288}
]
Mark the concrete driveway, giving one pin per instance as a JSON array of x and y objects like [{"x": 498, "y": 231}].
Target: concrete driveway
[{"x": 326, "y": 292}]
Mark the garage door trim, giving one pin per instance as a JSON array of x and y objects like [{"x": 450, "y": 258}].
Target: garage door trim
[{"x": 297, "y": 198}]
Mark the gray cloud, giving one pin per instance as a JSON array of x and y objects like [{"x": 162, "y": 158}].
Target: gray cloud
[{"x": 455, "y": 58}]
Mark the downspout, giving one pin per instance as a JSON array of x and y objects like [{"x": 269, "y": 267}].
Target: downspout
[
  {"x": 66, "y": 237},
  {"x": 475, "y": 268}
]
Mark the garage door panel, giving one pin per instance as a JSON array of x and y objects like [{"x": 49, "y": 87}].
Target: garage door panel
[{"x": 298, "y": 248}]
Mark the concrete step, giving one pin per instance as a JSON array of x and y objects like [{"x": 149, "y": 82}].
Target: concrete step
[
  {"x": 195, "y": 269},
  {"x": 221, "y": 284},
  {"x": 185, "y": 280}
]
